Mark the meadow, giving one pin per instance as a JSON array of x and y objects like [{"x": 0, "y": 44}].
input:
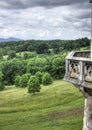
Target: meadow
[{"x": 58, "y": 106}]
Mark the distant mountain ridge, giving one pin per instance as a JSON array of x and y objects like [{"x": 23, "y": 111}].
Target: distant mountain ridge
[{"x": 9, "y": 39}]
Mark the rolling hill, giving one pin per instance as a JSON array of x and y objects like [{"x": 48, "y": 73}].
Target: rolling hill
[
  {"x": 9, "y": 39},
  {"x": 57, "y": 107}
]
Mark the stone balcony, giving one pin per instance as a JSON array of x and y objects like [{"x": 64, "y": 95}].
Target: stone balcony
[
  {"x": 79, "y": 73},
  {"x": 79, "y": 69}
]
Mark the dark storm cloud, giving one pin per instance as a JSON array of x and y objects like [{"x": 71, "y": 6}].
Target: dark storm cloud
[{"x": 20, "y": 4}]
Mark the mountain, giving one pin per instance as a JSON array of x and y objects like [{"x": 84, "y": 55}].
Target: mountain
[{"x": 9, "y": 39}]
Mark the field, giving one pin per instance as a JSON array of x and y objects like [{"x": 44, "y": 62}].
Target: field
[{"x": 57, "y": 107}]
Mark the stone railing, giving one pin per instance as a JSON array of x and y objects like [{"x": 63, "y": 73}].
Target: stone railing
[{"x": 79, "y": 68}]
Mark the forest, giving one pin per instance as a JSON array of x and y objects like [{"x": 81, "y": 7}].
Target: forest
[{"x": 30, "y": 57}]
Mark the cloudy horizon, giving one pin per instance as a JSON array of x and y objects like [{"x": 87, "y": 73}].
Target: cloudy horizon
[{"x": 40, "y": 19}]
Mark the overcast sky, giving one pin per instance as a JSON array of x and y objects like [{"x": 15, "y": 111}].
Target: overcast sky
[{"x": 45, "y": 19}]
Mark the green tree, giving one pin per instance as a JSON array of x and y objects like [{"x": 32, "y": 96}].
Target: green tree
[
  {"x": 13, "y": 68},
  {"x": 32, "y": 54},
  {"x": 58, "y": 67},
  {"x": 47, "y": 79},
  {"x": 24, "y": 80},
  {"x": 36, "y": 64},
  {"x": 25, "y": 55},
  {"x": 1, "y": 53},
  {"x": 11, "y": 54},
  {"x": 39, "y": 75},
  {"x": 17, "y": 81},
  {"x": 31, "y": 48},
  {"x": 42, "y": 48},
  {"x": 33, "y": 85}
]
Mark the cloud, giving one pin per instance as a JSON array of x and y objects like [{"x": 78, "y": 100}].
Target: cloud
[
  {"x": 22, "y": 4},
  {"x": 44, "y": 19}
]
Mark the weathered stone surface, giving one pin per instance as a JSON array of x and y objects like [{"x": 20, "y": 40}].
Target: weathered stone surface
[
  {"x": 87, "y": 124},
  {"x": 79, "y": 73}
]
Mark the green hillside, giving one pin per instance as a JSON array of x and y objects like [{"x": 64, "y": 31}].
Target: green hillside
[{"x": 57, "y": 107}]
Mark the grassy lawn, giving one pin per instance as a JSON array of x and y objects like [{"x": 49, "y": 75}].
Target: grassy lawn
[{"x": 57, "y": 107}]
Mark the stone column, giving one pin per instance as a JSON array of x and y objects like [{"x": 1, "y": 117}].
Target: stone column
[
  {"x": 66, "y": 69},
  {"x": 87, "y": 121}
]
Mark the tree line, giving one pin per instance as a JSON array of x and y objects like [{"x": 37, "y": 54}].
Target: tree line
[{"x": 43, "y": 47}]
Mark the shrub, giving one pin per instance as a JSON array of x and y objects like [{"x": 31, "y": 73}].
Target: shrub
[
  {"x": 24, "y": 80},
  {"x": 33, "y": 85},
  {"x": 1, "y": 86},
  {"x": 17, "y": 81},
  {"x": 39, "y": 75},
  {"x": 47, "y": 79}
]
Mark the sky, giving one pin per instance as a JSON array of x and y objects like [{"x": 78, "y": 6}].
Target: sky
[{"x": 45, "y": 19}]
